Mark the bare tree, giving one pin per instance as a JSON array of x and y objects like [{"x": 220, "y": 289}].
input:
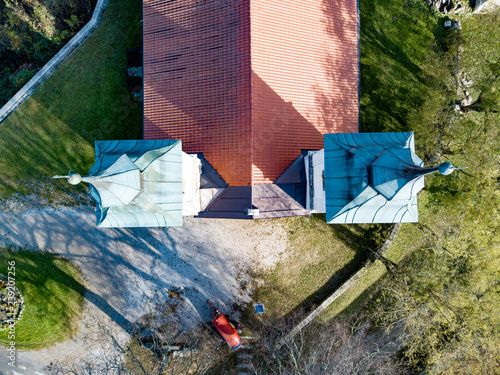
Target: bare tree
[
  {"x": 147, "y": 352},
  {"x": 340, "y": 348}
]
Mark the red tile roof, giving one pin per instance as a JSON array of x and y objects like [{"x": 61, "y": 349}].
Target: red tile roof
[{"x": 250, "y": 82}]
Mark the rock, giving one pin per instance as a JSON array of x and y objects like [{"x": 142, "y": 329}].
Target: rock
[
  {"x": 467, "y": 101},
  {"x": 442, "y": 5},
  {"x": 486, "y": 6}
]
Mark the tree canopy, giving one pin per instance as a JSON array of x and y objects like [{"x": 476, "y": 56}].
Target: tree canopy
[
  {"x": 445, "y": 299},
  {"x": 31, "y": 32}
]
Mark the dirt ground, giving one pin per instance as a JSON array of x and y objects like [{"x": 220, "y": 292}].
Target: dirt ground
[{"x": 130, "y": 272}]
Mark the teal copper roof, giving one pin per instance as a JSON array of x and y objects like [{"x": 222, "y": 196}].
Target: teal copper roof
[
  {"x": 137, "y": 183},
  {"x": 372, "y": 178}
]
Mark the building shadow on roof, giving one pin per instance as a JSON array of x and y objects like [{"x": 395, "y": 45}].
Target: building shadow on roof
[
  {"x": 280, "y": 132},
  {"x": 199, "y": 87}
]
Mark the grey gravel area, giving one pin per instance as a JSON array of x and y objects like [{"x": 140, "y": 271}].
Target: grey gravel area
[{"x": 130, "y": 272}]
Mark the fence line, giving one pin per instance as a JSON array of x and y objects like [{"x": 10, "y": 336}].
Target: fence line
[
  {"x": 344, "y": 287},
  {"x": 46, "y": 71}
]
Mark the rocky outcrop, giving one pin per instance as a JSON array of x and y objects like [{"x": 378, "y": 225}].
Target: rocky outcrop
[
  {"x": 443, "y": 6},
  {"x": 486, "y": 6},
  {"x": 478, "y": 6}
]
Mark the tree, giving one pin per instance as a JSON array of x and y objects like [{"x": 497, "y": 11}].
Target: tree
[
  {"x": 444, "y": 302},
  {"x": 31, "y": 32},
  {"x": 344, "y": 347},
  {"x": 481, "y": 60},
  {"x": 147, "y": 352}
]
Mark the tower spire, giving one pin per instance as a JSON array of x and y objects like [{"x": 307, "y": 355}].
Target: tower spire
[
  {"x": 73, "y": 177},
  {"x": 447, "y": 168}
]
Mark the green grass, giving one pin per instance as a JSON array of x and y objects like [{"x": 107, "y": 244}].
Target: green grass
[
  {"x": 84, "y": 100},
  {"x": 396, "y": 41},
  {"x": 409, "y": 239},
  {"x": 53, "y": 297},
  {"x": 355, "y": 298},
  {"x": 366, "y": 287},
  {"x": 320, "y": 257}
]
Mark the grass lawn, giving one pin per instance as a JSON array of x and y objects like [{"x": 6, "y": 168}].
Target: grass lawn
[
  {"x": 52, "y": 132},
  {"x": 84, "y": 100},
  {"x": 53, "y": 297},
  {"x": 398, "y": 43},
  {"x": 397, "y": 38},
  {"x": 365, "y": 288},
  {"x": 319, "y": 259},
  {"x": 409, "y": 239}
]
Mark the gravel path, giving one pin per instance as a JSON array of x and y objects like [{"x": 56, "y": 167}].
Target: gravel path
[{"x": 129, "y": 272}]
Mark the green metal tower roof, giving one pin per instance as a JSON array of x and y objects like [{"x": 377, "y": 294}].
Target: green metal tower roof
[
  {"x": 137, "y": 183},
  {"x": 372, "y": 178}
]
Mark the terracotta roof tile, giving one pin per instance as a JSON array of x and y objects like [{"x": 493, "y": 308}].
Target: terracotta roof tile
[{"x": 250, "y": 82}]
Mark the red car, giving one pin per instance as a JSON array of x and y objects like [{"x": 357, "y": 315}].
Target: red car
[{"x": 226, "y": 329}]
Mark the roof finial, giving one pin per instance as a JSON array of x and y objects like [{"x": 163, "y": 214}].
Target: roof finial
[
  {"x": 73, "y": 177},
  {"x": 447, "y": 168}
]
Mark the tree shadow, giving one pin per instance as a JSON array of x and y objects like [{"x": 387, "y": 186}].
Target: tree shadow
[
  {"x": 133, "y": 271},
  {"x": 336, "y": 96},
  {"x": 85, "y": 99},
  {"x": 44, "y": 269},
  {"x": 364, "y": 239},
  {"x": 394, "y": 43}
]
